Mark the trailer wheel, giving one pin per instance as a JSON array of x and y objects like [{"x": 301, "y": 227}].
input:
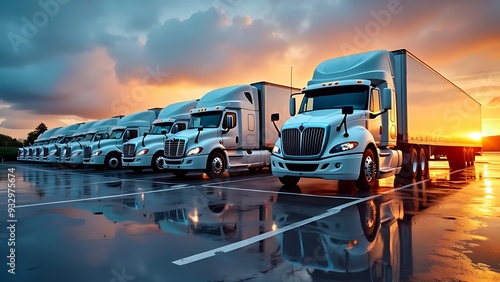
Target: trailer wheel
[
  {"x": 423, "y": 164},
  {"x": 289, "y": 180},
  {"x": 472, "y": 156},
  {"x": 216, "y": 165},
  {"x": 368, "y": 171},
  {"x": 113, "y": 161},
  {"x": 155, "y": 161}
]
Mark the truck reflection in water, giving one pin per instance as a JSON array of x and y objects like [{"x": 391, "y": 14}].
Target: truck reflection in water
[{"x": 369, "y": 241}]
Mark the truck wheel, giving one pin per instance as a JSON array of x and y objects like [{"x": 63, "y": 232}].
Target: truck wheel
[
  {"x": 423, "y": 164},
  {"x": 113, "y": 161},
  {"x": 368, "y": 171},
  {"x": 369, "y": 215},
  {"x": 155, "y": 161},
  {"x": 289, "y": 180},
  {"x": 215, "y": 165},
  {"x": 410, "y": 164}
]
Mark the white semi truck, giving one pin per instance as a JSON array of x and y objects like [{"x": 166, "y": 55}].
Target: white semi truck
[
  {"x": 73, "y": 154},
  {"x": 147, "y": 151},
  {"x": 108, "y": 153},
  {"x": 29, "y": 152},
  {"x": 230, "y": 129},
  {"x": 76, "y": 137},
  {"x": 59, "y": 138},
  {"x": 373, "y": 115}
]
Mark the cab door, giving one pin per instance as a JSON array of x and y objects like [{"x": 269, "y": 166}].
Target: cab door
[{"x": 231, "y": 136}]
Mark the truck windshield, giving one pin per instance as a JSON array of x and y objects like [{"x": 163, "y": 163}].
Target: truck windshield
[
  {"x": 117, "y": 134},
  {"x": 207, "y": 119},
  {"x": 335, "y": 98},
  {"x": 88, "y": 137},
  {"x": 158, "y": 128}
]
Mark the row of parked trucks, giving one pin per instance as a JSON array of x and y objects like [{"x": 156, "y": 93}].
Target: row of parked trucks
[{"x": 361, "y": 117}]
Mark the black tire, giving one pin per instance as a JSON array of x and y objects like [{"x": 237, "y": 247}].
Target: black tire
[
  {"x": 289, "y": 180},
  {"x": 369, "y": 215},
  {"x": 137, "y": 169},
  {"x": 113, "y": 161},
  {"x": 367, "y": 171},
  {"x": 423, "y": 164},
  {"x": 154, "y": 161},
  {"x": 216, "y": 164},
  {"x": 410, "y": 164},
  {"x": 179, "y": 173}
]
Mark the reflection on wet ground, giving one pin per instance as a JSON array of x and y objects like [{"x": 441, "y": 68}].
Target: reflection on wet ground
[{"x": 84, "y": 225}]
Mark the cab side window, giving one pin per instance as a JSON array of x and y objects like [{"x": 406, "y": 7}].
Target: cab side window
[{"x": 131, "y": 134}]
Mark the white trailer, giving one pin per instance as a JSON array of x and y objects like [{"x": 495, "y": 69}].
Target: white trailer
[
  {"x": 107, "y": 153},
  {"x": 147, "y": 151},
  {"x": 374, "y": 115},
  {"x": 231, "y": 129}
]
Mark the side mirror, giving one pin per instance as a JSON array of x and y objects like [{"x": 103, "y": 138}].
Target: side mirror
[
  {"x": 386, "y": 99},
  {"x": 174, "y": 130},
  {"x": 163, "y": 132},
  {"x": 145, "y": 134},
  {"x": 127, "y": 135},
  {"x": 347, "y": 110},
  {"x": 275, "y": 117},
  {"x": 105, "y": 136},
  {"x": 292, "y": 106},
  {"x": 229, "y": 122}
]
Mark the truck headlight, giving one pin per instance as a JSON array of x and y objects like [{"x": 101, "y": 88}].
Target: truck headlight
[
  {"x": 142, "y": 152},
  {"x": 276, "y": 150},
  {"x": 97, "y": 153},
  {"x": 344, "y": 147},
  {"x": 77, "y": 153},
  {"x": 194, "y": 151},
  {"x": 53, "y": 152}
]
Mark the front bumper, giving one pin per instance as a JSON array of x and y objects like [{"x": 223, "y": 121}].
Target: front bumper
[
  {"x": 194, "y": 162},
  {"x": 96, "y": 160},
  {"x": 75, "y": 160},
  {"x": 343, "y": 167},
  {"x": 137, "y": 161}
]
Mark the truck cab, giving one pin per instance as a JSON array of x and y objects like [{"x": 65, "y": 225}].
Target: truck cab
[
  {"x": 230, "y": 129},
  {"x": 345, "y": 119},
  {"x": 107, "y": 153},
  {"x": 52, "y": 150},
  {"x": 148, "y": 150},
  {"x": 75, "y": 138},
  {"x": 73, "y": 153}
]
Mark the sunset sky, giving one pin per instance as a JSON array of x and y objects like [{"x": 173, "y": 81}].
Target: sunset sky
[{"x": 66, "y": 61}]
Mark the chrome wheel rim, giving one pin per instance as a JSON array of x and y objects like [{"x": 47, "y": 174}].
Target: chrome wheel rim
[
  {"x": 217, "y": 165},
  {"x": 370, "y": 168}
]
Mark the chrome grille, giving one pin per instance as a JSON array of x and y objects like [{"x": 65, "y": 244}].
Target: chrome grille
[
  {"x": 30, "y": 152},
  {"x": 87, "y": 152},
  {"x": 307, "y": 143},
  {"x": 174, "y": 148},
  {"x": 129, "y": 150},
  {"x": 68, "y": 152},
  {"x": 45, "y": 151},
  {"x": 58, "y": 151}
]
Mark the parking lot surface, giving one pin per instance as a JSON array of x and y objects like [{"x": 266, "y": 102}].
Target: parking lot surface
[{"x": 88, "y": 225}]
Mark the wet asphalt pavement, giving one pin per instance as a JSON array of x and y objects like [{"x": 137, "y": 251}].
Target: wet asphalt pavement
[{"x": 87, "y": 225}]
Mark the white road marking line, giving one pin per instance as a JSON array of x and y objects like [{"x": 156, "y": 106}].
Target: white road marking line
[
  {"x": 255, "y": 239},
  {"x": 102, "y": 197}
]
